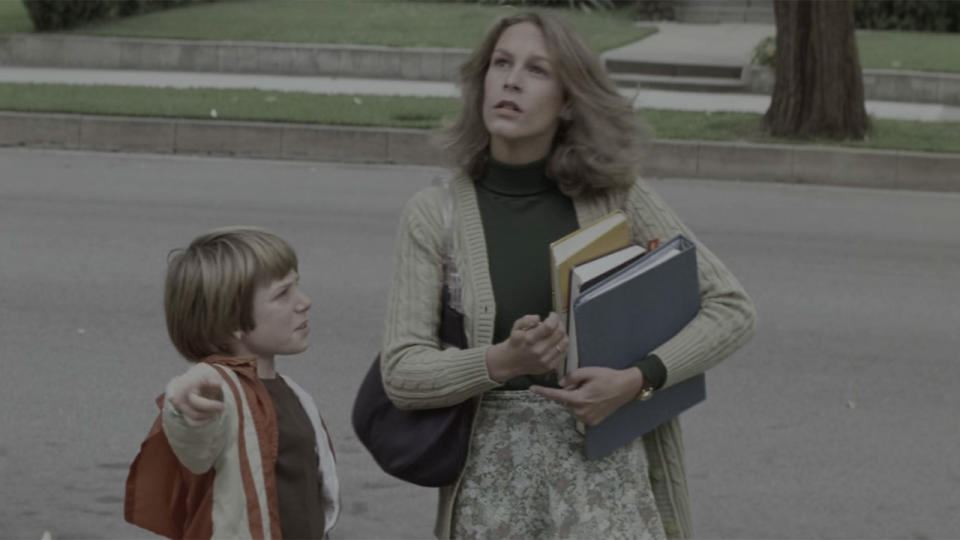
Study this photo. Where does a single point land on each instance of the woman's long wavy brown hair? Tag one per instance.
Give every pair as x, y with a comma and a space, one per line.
595, 149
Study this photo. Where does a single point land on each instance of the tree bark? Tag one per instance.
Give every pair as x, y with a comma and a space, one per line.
818, 91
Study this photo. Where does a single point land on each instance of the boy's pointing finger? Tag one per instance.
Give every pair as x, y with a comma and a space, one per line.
211, 390
204, 405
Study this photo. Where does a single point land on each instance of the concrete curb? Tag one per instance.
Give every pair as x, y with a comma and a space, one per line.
208, 137
364, 61
665, 158
822, 165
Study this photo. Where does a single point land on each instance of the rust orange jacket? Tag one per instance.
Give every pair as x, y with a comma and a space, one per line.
217, 480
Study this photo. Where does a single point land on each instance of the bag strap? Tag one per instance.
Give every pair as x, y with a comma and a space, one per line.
451, 276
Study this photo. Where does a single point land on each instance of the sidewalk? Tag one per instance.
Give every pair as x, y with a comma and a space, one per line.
690, 57
642, 98
722, 44
366, 70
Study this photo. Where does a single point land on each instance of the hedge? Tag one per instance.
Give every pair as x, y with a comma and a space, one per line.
64, 14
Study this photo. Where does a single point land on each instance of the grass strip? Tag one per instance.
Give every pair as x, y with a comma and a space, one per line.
394, 23
917, 51
228, 104
420, 113
886, 134
13, 17
912, 51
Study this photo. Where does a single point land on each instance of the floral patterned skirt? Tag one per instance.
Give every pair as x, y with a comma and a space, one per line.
527, 477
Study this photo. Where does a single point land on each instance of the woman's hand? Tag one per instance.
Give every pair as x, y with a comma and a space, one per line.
534, 347
196, 396
593, 393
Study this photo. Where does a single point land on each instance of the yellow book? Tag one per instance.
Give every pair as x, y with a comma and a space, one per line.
605, 235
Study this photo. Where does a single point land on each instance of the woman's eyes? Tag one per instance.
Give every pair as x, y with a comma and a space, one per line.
535, 69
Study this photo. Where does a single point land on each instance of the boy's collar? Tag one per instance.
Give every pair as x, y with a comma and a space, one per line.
234, 362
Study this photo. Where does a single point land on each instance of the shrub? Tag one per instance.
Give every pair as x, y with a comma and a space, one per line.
918, 15
654, 10
765, 53
585, 5
57, 14
64, 14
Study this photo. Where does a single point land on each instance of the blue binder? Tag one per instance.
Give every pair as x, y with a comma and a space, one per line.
621, 318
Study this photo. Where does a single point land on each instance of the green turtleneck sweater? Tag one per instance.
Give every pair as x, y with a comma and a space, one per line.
523, 211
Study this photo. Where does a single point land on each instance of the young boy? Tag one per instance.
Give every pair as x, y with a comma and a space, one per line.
239, 450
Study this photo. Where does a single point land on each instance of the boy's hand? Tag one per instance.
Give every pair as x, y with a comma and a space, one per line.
197, 396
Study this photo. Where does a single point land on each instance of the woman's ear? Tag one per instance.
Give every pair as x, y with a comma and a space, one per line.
566, 113
238, 335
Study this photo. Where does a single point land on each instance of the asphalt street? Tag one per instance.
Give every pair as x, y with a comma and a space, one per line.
839, 419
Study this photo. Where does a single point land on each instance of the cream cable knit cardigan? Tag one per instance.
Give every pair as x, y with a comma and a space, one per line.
417, 374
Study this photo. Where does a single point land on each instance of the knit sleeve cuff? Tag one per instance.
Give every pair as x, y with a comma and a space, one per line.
654, 372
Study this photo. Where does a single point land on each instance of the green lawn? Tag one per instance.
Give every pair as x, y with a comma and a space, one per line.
914, 51
731, 126
372, 22
229, 104
13, 17
919, 51
413, 112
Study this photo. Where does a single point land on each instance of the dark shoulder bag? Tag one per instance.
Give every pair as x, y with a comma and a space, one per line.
427, 447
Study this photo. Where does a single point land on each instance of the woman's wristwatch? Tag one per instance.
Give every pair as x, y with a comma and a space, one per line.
646, 391
653, 375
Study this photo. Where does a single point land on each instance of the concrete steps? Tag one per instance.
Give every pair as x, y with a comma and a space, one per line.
684, 84
676, 76
673, 69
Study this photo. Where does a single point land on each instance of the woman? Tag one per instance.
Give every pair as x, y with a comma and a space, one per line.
543, 144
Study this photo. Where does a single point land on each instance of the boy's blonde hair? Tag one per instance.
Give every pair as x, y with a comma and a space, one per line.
209, 288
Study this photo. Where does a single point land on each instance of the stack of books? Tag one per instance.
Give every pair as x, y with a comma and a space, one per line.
620, 302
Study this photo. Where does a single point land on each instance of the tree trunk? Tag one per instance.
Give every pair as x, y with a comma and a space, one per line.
819, 84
